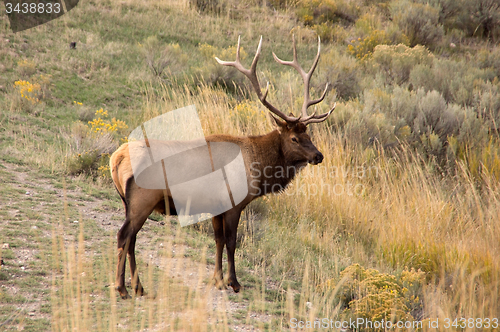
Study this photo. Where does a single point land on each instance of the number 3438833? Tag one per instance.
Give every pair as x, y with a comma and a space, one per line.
33, 8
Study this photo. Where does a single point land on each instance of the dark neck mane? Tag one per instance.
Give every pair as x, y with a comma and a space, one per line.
270, 171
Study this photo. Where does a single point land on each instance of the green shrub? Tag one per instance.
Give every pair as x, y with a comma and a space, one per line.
453, 79
481, 18
26, 68
448, 10
395, 62
85, 162
431, 115
312, 12
213, 74
487, 104
419, 22
282, 4
325, 30
367, 23
207, 6
489, 59
478, 18
404, 103
342, 72
163, 60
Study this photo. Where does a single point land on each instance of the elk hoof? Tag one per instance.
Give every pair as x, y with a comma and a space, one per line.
123, 293
139, 290
236, 286
219, 283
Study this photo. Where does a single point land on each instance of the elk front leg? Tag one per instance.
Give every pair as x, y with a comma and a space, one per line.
220, 241
231, 220
136, 283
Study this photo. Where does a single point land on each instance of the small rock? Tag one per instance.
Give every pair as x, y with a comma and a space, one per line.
5, 246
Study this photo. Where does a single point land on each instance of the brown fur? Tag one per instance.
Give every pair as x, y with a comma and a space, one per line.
288, 148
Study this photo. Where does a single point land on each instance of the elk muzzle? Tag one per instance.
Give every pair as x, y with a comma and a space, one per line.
317, 159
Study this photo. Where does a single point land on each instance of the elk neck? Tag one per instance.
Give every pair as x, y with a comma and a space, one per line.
269, 168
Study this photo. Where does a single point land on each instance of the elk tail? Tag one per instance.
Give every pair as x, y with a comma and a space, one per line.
114, 164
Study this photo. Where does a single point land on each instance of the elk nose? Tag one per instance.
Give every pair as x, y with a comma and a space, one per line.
318, 158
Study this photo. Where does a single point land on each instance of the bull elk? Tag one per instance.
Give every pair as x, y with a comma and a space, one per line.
265, 158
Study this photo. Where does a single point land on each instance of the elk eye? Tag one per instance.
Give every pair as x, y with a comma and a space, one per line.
294, 139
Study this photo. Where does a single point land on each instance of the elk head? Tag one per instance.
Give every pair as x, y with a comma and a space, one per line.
295, 142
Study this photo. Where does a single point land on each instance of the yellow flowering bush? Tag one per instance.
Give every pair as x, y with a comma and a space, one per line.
97, 139
247, 112
100, 125
103, 170
369, 294
29, 91
363, 48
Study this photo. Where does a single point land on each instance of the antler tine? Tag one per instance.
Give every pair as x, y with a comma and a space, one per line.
251, 74
306, 77
316, 101
319, 118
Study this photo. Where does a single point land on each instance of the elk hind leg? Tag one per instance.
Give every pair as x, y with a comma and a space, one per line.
136, 283
136, 215
220, 241
123, 246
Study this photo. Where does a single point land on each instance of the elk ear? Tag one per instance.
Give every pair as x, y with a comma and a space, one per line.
280, 125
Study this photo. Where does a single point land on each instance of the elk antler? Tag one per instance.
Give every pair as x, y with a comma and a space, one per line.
252, 76
306, 77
